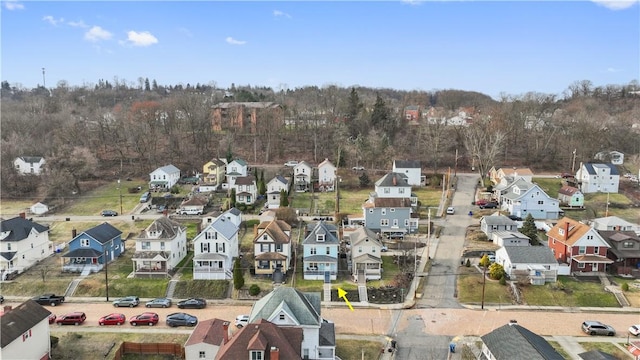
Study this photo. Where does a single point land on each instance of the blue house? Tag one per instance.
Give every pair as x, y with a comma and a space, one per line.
320, 252
89, 251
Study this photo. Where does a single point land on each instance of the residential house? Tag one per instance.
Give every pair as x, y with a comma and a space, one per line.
33, 165
412, 113
393, 185
510, 238
411, 169
234, 215
25, 332
214, 172
522, 198
326, 175
206, 339
246, 190
320, 252
263, 340
236, 169
39, 209
494, 223
23, 243
214, 250
614, 157
366, 252
193, 205
389, 216
160, 248
571, 196
164, 178
535, 263
237, 116
497, 175
93, 248
274, 187
578, 245
598, 178
513, 341
302, 176
624, 251
614, 223
289, 308
272, 248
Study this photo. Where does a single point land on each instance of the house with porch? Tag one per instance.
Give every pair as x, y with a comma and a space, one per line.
366, 254
493, 223
25, 332
326, 175
522, 198
578, 245
214, 250
497, 175
214, 172
23, 243
513, 341
302, 176
32, 165
164, 178
272, 248
289, 308
92, 249
160, 248
263, 340
535, 263
411, 169
594, 177
571, 196
246, 189
624, 251
320, 252
193, 205
235, 169
391, 217
274, 187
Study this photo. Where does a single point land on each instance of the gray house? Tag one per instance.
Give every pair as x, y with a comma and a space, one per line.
513, 341
389, 216
510, 238
493, 223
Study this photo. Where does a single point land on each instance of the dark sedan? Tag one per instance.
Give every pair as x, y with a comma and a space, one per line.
109, 213
192, 303
181, 319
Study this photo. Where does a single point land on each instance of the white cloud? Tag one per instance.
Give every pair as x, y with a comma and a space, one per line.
613, 70
233, 41
97, 33
53, 21
79, 24
278, 13
13, 5
616, 4
143, 38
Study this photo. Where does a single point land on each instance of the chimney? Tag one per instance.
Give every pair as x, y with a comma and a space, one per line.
225, 332
7, 308
23, 215
275, 353
74, 233
566, 231
395, 181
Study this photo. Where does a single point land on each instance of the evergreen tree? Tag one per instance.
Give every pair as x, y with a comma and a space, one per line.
529, 229
154, 85
364, 180
284, 199
262, 186
238, 275
232, 198
380, 114
147, 87
229, 154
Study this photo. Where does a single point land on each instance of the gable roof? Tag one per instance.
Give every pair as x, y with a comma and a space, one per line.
575, 233
568, 190
103, 232
613, 221
511, 341
517, 171
169, 169
379, 202
31, 159
195, 201
320, 228
210, 331
245, 180
407, 164
303, 163
279, 178
393, 179
224, 226
303, 307
361, 234
530, 255
19, 228
498, 220
240, 162
275, 229
592, 168
234, 211
167, 228
325, 162
263, 335
217, 162
20, 319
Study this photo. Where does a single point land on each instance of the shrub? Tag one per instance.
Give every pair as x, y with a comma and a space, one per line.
468, 263
625, 287
254, 290
238, 275
503, 281
484, 262
496, 271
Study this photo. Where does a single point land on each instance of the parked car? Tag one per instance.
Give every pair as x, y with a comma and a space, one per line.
159, 303
358, 168
451, 210
489, 205
181, 319
192, 303
74, 318
597, 328
635, 330
49, 299
515, 218
146, 318
112, 319
109, 213
384, 248
52, 318
130, 301
1, 299
480, 202
242, 320
291, 163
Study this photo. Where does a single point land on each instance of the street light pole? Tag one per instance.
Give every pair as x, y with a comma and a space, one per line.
484, 281
106, 272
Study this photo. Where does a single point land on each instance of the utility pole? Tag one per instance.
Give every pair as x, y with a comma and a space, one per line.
337, 198
106, 272
573, 162
484, 281
120, 186
44, 84
455, 169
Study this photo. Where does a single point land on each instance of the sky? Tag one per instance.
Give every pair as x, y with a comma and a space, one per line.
493, 47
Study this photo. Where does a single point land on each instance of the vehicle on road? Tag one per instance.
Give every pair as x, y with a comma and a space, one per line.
384, 248
189, 211
597, 328
145, 197
291, 163
242, 320
1, 299
192, 303
451, 210
480, 202
358, 168
112, 319
158, 303
74, 318
48, 299
489, 205
146, 318
635, 330
109, 213
130, 301
52, 318
181, 319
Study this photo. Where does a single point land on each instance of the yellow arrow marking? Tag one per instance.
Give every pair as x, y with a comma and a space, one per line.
343, 294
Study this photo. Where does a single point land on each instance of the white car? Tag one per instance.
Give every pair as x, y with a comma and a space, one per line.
451, 210
358, 168
242, 320
291, 163
635, 330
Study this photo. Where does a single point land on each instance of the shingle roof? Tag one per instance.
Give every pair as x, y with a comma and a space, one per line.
103, 232
169, 169
224, 226
263, 335
281, 179
391, 202
210, 331
393, 179
498, 220
361, 234
407, 164
167, 228
19, 228
19, 320
234, 211
31, 159
321, 228
568, 190
245, 180
241, 162
327, 334
512, 341
303, 307
83, 253
576, 230
195, 201
592, 168
276, 231
530, 255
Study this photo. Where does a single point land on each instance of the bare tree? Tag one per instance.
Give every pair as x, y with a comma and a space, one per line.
483, 145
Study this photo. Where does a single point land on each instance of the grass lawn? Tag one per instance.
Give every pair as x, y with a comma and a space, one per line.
357, 349
633, 295
569, 292
607, 347
106, 197
14, 207
470, 289
550, 185
207, 289
559, 349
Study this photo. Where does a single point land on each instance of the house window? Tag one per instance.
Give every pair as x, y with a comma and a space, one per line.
392, 210
328, 251
320, 237
582, 250
384, 222
281, 317
406, 222
589, 237
204, 247
279, 247
370, 211
596, 250
627, 244
395, 222
313, 250
146, 245
400, 190
540, 202
161, 245
580, 265
387, 190
359, 248
220, 248
383, 212
202, 355
9, 246
264, 247
84, 242
256, 355
210, 235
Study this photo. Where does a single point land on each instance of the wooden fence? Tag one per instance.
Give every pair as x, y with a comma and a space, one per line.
126, 347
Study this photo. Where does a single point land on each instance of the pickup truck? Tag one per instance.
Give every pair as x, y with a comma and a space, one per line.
49, 299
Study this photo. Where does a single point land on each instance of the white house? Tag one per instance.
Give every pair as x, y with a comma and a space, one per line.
160, 248
395, 185
206, 339
274, 187
614, 157
510, 238
39, 208
235, 169
366, 252
614, 223
23, 243
522, 198
29, 164
246, 189
302, 175
536, 263
164, 178
598, 178
25, 332
411, 169
326, 175
214, 250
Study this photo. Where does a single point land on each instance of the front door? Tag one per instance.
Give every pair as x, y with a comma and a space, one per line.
327, 277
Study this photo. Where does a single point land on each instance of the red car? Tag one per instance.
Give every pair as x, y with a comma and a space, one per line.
147, 318
112, 319
52, 318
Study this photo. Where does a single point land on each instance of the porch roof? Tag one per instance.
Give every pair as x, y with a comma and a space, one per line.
210, 256
320, 258
146, 255
85, 253
367, 258
9, 255
271, 256
592, 259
